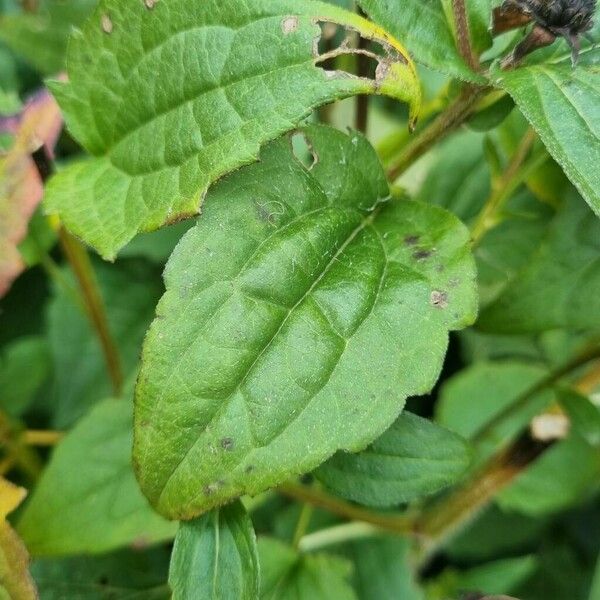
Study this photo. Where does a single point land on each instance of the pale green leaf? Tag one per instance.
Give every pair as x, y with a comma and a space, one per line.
424, 29
561, 103
558, 287
169, 96
215, 557
300, 313
583, 414
87, 499
412, 459
287, 574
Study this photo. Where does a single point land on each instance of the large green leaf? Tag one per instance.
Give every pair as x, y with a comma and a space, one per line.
170, 96
215, 557
561, 103
287, 574
421, 25
412, 459
559, 286
87, 499
300, 313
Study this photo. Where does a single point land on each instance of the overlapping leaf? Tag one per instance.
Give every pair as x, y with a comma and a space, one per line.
299, 314
99, 506
170, 96
561, 103
215, 557
412, 459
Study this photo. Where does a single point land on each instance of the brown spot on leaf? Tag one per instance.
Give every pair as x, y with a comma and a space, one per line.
411, 240
422, 254
289, 25
439, 299
106, 23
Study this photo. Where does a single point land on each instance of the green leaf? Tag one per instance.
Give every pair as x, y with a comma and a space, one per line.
215, 557
129, 292
495, 577
383, 569
561, 103
122, 575
41, 36
300, 313
170, 96
562, 477
558, 287
287, 574
474, 396
24, 367
424, 29
584, 415
412, 459
87, 499
480, 22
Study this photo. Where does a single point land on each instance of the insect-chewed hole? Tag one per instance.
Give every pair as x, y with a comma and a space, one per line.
338, 44
304, 151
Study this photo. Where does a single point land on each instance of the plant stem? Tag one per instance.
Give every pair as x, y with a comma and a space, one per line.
303, 522
35, 437
445, 123
505, 415
504, 186
463, 35
362, 100
338, 534
397, 524
80, 262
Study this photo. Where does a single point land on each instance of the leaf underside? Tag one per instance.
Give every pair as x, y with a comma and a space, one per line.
299, 314
147, 81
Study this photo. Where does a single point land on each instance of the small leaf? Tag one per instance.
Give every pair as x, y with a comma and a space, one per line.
558, 286
299, 314
185, 93
20, 185
423, 27
561, 103
287, 574
15, 581
215, 557
583, 415
87, 499
412, 459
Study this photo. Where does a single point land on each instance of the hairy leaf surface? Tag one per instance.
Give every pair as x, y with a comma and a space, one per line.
561, 103
299, 314
412, 459
215, 557
170, 96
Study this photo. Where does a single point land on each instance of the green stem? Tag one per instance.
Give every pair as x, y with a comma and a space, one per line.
446, 122
338, 534
80, 262
396, 523
503, 187
303, 522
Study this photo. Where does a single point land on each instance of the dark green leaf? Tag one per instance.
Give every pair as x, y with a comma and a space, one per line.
412, 459
215, 557
87, 499
287, 574
24, 367
583, 415
561, 103
558, 286
184, 93
300, 313
129, 291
